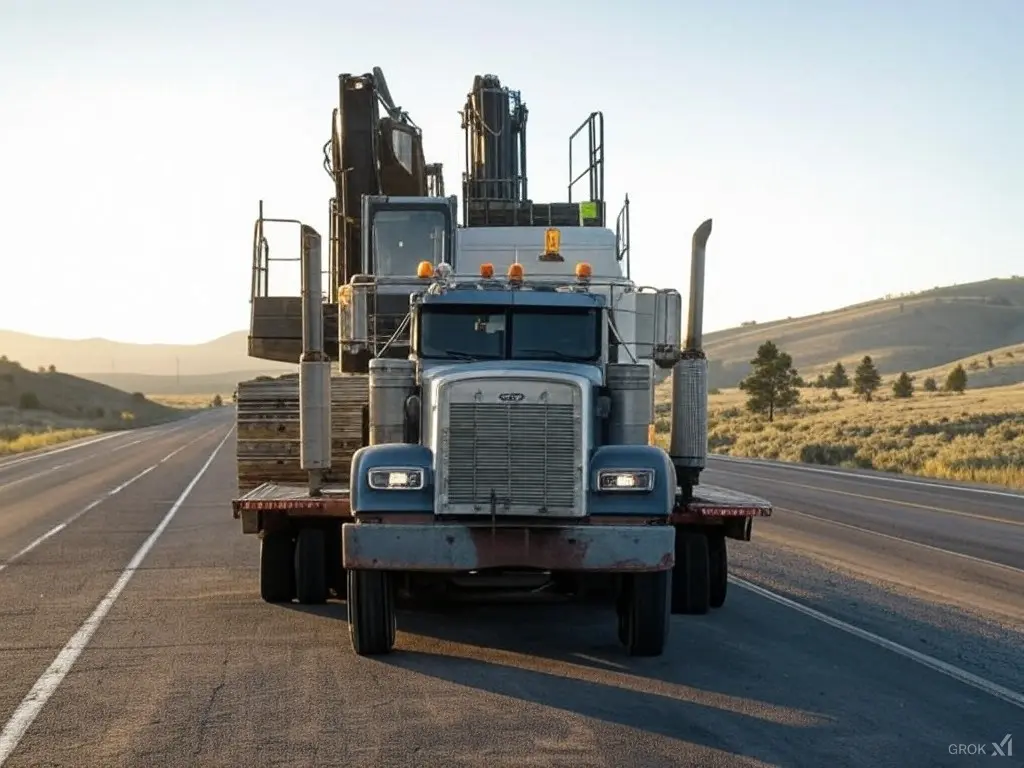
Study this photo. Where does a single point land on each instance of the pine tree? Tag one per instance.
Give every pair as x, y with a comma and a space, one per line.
903, 386
956, 381
837, 377
930, 385
866, 379
772, 384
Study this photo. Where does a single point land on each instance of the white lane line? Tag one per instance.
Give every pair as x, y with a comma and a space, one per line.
65, 465
47, 684
858, 476
44, 453
888, 500
901, 540
942, 667
96, 502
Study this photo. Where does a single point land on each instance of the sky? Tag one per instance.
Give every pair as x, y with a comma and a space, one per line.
845, 150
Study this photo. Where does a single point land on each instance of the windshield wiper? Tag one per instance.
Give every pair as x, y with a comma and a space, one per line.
467, 356
552, 354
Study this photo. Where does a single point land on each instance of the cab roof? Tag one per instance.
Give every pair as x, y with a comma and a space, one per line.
526, 297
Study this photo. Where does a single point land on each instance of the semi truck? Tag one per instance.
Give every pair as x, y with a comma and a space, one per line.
474, 407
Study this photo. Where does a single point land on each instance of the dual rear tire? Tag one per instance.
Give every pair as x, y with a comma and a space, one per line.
294, 567
700, 578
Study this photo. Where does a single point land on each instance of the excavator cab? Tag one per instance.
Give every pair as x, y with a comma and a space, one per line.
398, 235
401, 232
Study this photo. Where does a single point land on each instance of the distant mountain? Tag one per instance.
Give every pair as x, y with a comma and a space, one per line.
228, 353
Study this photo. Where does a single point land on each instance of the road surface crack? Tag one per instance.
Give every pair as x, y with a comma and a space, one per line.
205, 716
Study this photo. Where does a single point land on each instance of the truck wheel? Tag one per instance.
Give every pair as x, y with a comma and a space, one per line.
691, 576
718, 562
277, 576
371, 612
648, 613
310, 567
622, 598
335, 572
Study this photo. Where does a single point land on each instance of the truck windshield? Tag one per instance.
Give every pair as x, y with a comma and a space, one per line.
460, 333
403, 238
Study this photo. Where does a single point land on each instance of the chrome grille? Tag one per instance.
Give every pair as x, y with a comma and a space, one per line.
525, 457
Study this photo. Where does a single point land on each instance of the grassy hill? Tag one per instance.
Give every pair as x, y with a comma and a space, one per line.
923, 331
994, 368
228, 353
44, 407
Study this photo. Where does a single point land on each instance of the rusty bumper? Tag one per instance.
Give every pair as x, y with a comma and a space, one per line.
453, 548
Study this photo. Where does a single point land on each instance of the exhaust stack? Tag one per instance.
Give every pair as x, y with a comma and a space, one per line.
688, 441
695, 317
314, 369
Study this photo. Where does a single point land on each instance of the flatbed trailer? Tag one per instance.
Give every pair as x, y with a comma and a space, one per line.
701, 526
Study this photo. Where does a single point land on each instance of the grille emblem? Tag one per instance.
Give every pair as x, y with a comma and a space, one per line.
511, 397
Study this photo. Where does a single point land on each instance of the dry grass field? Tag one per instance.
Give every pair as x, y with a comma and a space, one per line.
34, 441
975, 436
191, 402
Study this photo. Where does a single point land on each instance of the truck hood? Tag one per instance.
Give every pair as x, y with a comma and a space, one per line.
433, 370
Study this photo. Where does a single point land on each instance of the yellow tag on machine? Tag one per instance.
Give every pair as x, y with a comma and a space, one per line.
552, 245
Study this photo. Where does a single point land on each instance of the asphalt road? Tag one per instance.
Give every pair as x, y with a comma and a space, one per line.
132, 634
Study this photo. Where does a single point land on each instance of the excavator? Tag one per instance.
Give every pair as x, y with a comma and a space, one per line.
375, 160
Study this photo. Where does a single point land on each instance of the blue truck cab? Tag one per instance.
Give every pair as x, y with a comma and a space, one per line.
507, 440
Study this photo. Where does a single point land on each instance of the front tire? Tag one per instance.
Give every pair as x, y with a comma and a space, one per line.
371, 612
647, 613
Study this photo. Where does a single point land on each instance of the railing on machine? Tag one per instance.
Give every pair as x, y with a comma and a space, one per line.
435, 180
622, 235
593, 127
374, 320
261, 258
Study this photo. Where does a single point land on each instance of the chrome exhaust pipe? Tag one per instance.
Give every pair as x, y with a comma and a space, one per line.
314, 369
688, 439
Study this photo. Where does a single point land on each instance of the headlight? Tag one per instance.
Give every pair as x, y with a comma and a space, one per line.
625, 480
396, 479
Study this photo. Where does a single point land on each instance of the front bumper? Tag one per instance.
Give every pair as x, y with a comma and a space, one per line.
447, 547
